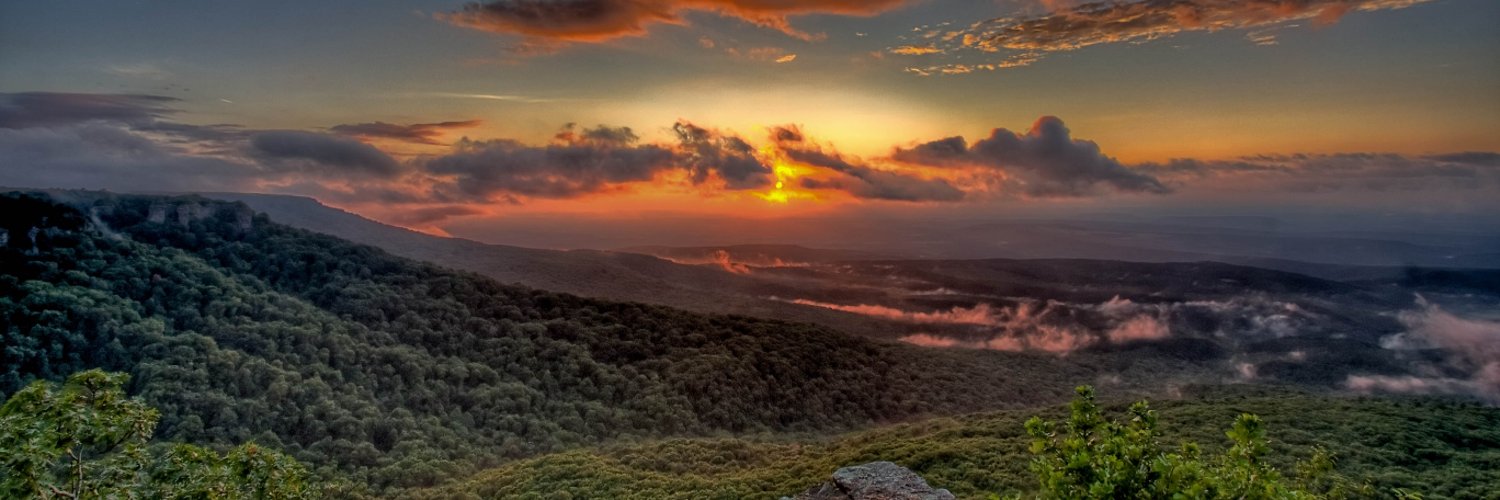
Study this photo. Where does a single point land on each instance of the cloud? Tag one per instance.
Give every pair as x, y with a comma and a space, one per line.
124, 142
1409, 384
128, 141
871, 184
144, 71
768, 54
1014, 61
858, 179
593, 160
1325, 173
1478, 158
916, 50
577, 163
96, 155
44, 109
1139, 328
1030, 325
428, 215
1044, 162
1070, 26
601, 20
1473, 347
487, 97
322, 153
706, 152
981, 314
418, 133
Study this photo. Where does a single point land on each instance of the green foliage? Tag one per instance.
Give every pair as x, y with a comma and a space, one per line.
1092, 456
1386, 443
83, 440
86, 439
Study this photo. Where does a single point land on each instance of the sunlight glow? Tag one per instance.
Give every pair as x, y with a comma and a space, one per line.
786, 173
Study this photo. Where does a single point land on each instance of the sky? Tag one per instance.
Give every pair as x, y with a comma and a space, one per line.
483, 118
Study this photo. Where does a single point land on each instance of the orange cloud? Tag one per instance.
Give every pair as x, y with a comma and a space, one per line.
1072, 25
916, 50
772, 54
600, 20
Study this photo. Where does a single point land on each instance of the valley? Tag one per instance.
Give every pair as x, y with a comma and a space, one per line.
398, 374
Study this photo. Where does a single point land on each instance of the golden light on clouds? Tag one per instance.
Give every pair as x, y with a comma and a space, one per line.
860, 122
788, 174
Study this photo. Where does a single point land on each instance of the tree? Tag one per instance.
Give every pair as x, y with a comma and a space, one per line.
1094, 457
87, 439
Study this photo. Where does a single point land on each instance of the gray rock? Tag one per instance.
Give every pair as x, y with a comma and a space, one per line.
875, 481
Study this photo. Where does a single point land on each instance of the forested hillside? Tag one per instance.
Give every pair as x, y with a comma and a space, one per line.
1437, 449
397, 373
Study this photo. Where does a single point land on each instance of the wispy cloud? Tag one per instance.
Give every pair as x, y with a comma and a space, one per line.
916, 50
144, 71
418, 133
1071, 26
488, 97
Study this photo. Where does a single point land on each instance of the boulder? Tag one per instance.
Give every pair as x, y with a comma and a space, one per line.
874, 481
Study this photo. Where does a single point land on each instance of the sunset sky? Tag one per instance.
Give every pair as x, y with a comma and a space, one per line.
462, 118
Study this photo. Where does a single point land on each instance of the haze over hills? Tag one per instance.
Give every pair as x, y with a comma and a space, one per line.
765, 255
590, 273
1254, 323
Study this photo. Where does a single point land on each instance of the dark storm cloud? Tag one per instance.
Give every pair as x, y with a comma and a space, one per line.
599, 20
322, 153
44, 109
419, 133
1046, 161
858, 179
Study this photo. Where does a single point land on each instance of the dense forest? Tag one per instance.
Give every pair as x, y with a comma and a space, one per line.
396, 373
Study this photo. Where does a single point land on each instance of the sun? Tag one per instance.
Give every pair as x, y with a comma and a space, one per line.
786, 172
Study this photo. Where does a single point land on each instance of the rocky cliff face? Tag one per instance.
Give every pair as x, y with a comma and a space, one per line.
188, 211
874, 481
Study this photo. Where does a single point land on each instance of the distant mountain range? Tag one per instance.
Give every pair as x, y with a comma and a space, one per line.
1262, 318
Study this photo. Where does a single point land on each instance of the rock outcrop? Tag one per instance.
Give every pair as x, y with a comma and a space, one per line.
874, 481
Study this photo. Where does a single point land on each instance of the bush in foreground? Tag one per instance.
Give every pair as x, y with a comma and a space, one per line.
86, 439
1091, 456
